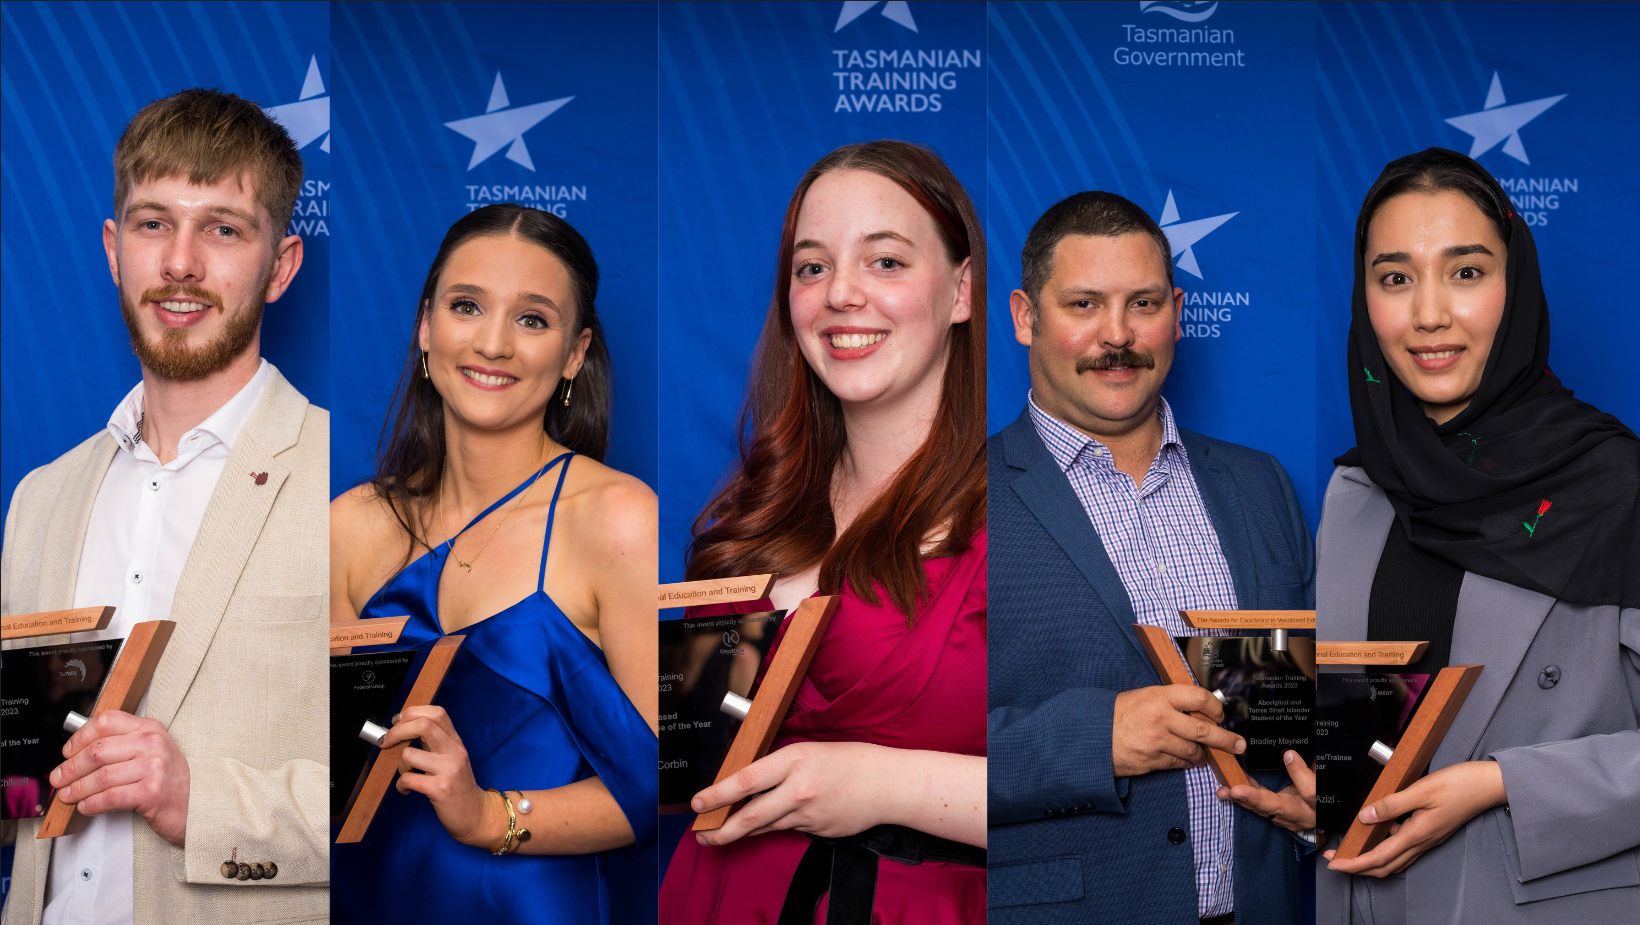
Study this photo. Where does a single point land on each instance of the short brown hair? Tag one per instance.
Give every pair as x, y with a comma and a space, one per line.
1095, 213
207, 135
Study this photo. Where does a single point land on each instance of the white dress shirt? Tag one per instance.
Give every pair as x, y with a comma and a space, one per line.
142, 529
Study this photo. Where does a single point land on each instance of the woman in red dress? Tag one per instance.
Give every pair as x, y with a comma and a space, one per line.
863, 476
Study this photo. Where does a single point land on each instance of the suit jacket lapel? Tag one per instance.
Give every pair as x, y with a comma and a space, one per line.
233, 522
1046, 492
1496, 625
1357, 520
1223, 503
65, 533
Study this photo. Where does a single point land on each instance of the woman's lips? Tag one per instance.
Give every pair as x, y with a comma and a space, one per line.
487, 379
1436, 358
852, 344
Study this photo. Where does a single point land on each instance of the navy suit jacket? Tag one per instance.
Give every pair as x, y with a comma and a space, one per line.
1068, 841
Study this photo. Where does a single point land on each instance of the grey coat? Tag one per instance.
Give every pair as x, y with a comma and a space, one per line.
1567, 846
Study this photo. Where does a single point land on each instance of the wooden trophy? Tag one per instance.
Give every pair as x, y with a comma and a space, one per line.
1158, 643
716, 591
1410, 757
52, 622
804, 629
127, 683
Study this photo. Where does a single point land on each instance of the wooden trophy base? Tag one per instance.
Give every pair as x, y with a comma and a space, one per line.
127, 682
1165, 656
774, 697
1417, 746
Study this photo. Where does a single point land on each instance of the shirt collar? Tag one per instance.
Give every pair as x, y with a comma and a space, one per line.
223, 426
1067, 444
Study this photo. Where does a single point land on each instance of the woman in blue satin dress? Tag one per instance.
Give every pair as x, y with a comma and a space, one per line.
491, 517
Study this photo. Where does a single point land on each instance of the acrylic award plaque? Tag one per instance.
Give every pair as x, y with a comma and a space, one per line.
365, 691
1376, 735
42, 686
39, 687
767, 709
707, 666
1268, 695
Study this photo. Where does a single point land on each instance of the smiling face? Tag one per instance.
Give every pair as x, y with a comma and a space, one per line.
873, 292
497, 333
194, 266
1435, 294
1101, 332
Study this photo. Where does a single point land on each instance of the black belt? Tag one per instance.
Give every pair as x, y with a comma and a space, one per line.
847, 869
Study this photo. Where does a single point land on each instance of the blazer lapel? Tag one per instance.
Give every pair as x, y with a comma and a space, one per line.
238, 509
1045, 491
1496, 625
64, 538
1213, 481
1357, 519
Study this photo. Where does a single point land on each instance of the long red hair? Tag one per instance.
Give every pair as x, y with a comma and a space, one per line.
774, 513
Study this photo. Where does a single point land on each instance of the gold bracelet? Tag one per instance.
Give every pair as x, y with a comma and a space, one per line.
512, 824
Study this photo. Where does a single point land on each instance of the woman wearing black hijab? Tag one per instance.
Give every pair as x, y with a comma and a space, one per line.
1488, 511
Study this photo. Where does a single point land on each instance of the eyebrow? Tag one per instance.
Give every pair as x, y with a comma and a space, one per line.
472, 289
149, 205
874, 236
1077, 294
1456, 250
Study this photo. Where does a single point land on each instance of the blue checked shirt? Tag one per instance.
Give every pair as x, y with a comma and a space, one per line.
1167, 554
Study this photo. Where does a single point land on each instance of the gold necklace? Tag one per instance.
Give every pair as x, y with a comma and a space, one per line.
468, 565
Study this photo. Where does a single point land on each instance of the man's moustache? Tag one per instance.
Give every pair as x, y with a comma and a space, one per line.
164, 293
1111, 359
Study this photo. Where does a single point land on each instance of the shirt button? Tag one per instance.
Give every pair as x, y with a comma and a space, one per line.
85, 873
136, 577
153, 484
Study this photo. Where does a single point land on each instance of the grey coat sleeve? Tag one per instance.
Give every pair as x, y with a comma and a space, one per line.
1575, 802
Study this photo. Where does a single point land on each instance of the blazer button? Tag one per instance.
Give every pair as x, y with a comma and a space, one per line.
1175, 835
270, 870
1549, 677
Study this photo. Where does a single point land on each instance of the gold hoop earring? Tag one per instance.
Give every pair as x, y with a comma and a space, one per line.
424, 373
568, 390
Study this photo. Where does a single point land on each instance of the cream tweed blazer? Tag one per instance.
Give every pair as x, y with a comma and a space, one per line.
243, 686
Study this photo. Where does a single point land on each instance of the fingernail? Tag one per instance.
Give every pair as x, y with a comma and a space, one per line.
396, 716
1241, 746
57, 777
1369, 815
698, 805
1290, 757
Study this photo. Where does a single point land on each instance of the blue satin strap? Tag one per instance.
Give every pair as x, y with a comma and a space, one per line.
541, 580
514, 493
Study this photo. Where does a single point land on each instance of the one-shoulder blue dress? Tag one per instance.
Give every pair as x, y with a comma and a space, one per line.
536, 708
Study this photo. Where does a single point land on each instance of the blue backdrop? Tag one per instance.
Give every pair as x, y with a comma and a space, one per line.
571, 131
1542, 94
1203, 115
570, 92
73, 75
752, 95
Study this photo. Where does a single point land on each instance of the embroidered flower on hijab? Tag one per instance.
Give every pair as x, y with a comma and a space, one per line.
1543, 508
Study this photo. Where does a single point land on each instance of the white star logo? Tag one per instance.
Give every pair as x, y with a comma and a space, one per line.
1184, 235
309, 117
500, 125
896, 10
1495, 122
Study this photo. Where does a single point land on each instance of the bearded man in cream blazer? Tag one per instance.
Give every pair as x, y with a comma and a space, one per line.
204, 502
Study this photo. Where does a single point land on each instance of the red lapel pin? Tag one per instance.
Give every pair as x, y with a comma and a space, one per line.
261, 477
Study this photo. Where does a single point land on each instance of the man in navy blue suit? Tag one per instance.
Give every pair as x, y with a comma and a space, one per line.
1104, 513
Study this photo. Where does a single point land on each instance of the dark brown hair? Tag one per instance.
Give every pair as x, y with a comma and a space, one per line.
1435, 170
1096, 213
774, 513
207, 135
412, 462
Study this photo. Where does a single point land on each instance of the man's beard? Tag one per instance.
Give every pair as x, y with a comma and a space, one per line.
169, 357
1111, 359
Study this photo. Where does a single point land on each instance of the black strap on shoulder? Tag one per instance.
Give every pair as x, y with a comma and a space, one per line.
847, 869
